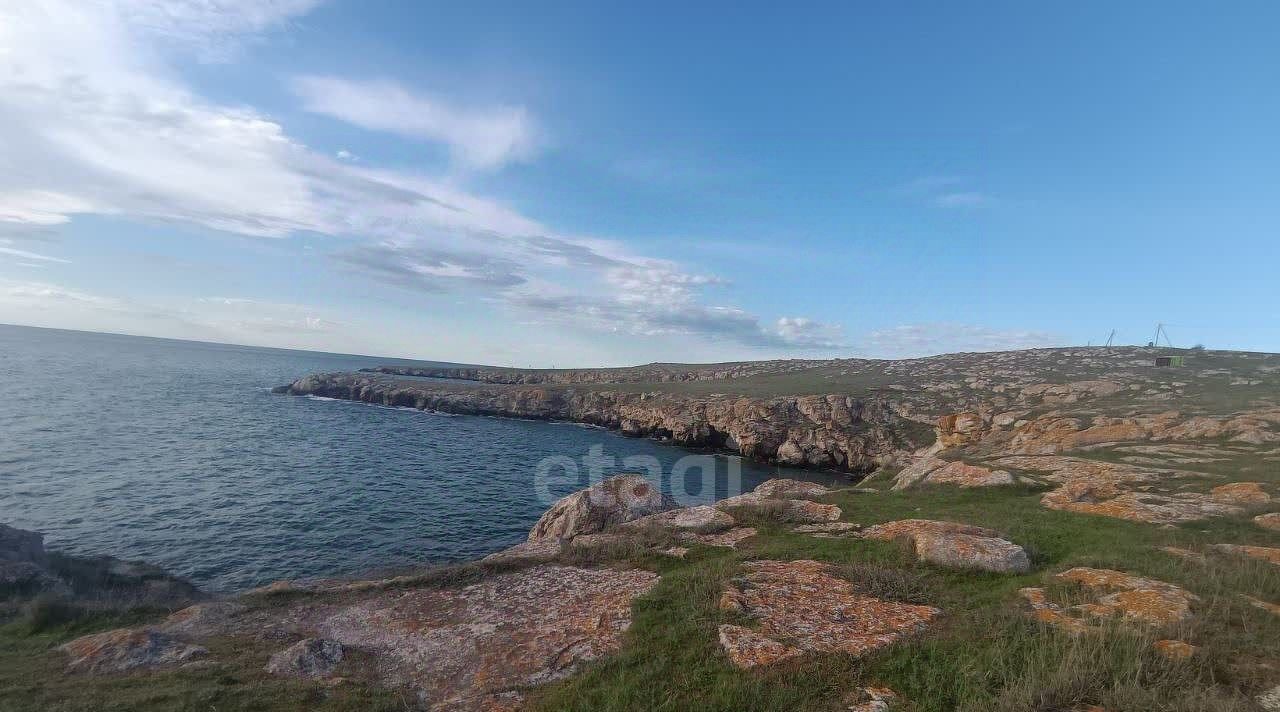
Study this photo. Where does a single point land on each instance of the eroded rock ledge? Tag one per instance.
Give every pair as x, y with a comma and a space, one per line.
821, 431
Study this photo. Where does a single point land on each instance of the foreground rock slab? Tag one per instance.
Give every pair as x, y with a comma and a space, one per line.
458, 647
955, 545
128, 649
801, 606
310, 657
1134, 599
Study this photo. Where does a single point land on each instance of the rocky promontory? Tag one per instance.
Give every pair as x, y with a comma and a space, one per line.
822, 431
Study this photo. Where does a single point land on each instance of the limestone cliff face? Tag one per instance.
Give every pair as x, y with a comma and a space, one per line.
826, 431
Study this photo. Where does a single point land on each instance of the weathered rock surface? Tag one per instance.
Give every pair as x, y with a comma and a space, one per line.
936, 471
1131, 598
780, 488
704, 518
606, 504
1265, 553
1175, 649
310, 657
539, 551
507, 632
1124, 491
127, 649
729, 539
1270, 521
806, 605
872, 699
955, 545
829, 530
826, 431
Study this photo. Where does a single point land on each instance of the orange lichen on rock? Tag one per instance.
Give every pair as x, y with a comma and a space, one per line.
936, 471
127, 649
955, 545
805, 604
1132, 598
1175, 649
747, 648
729, 539
1113, 490
508, 631
1244, 493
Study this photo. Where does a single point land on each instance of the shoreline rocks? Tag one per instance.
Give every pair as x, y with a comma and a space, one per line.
831, 431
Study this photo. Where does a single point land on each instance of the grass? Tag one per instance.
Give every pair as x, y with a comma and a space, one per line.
984, 654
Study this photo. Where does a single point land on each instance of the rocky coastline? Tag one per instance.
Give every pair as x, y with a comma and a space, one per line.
834, 432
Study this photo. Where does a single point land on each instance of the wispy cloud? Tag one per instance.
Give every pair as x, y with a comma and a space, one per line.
479, 138
96, 122
968, 199
912, 340
27, 255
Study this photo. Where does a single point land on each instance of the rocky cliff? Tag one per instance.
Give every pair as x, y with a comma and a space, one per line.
823, 431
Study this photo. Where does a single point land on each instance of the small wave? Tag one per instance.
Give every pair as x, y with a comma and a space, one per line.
410, 409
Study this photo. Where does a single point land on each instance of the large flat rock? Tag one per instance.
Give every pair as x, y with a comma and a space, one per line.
801, 606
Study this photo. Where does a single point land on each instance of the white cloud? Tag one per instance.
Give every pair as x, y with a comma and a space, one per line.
962, 200
478, 138
27, 255
94, 121
912, 340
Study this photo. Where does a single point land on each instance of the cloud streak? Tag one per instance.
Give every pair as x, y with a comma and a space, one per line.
478, 138
95, 122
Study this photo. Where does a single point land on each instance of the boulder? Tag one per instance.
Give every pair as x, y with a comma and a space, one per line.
606, 504
310, 657
780, 488
127, 649
955, 545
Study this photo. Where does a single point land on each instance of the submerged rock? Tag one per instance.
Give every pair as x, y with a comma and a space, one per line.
804, 604
127, 649
606, 504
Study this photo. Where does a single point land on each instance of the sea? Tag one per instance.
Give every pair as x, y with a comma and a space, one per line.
177, 453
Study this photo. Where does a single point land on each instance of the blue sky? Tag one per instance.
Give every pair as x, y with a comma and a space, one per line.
579, 183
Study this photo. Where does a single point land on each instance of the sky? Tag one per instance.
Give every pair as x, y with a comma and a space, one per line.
576, 184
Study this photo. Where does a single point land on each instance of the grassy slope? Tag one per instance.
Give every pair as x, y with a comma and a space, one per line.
985, 654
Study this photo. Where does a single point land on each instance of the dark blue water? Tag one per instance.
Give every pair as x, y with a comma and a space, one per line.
176, 453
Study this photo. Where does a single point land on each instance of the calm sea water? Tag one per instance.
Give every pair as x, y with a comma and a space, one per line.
176, 453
